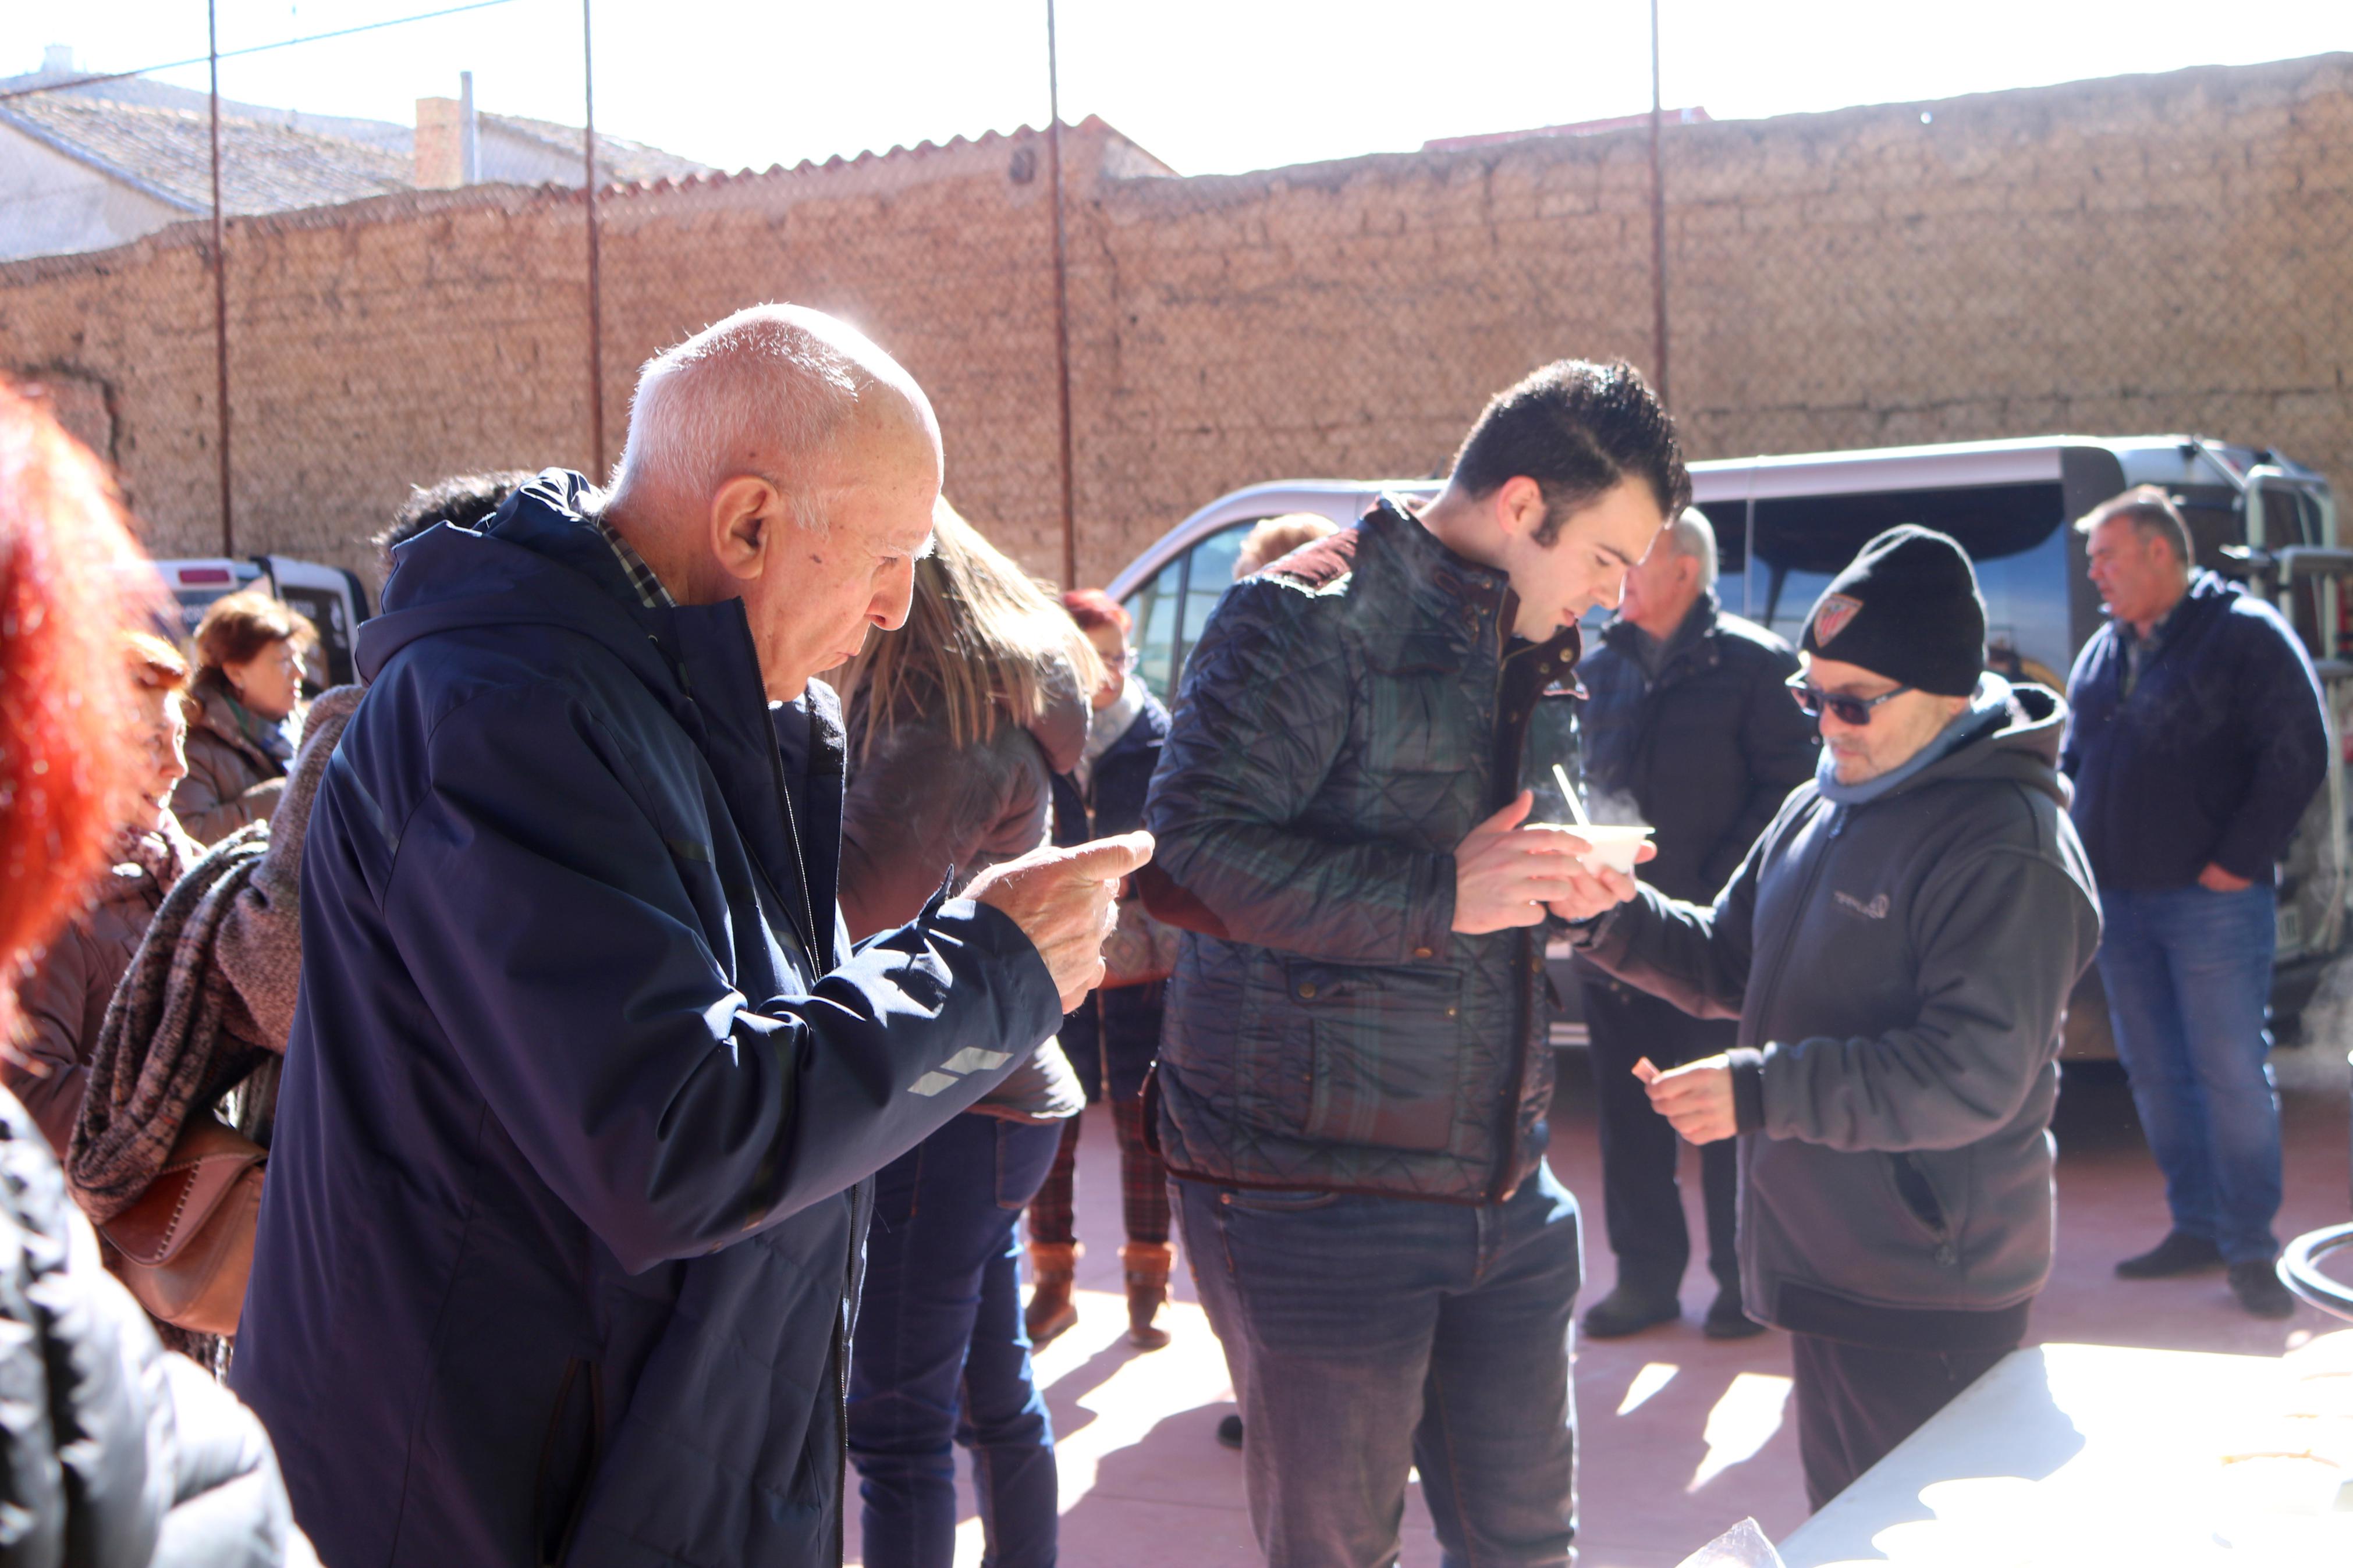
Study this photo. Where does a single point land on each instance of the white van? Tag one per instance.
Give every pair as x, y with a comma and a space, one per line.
1785, 525
334, 599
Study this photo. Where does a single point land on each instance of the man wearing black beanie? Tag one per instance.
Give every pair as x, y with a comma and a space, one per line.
1898, 948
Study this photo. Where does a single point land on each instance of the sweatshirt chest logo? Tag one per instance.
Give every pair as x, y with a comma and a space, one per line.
1831, 618
1875, 909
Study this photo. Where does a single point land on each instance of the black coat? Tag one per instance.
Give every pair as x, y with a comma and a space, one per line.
1346, 718
2213, 757
1707, 751
558, 1253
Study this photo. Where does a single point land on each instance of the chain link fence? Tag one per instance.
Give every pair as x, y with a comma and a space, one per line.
380, 305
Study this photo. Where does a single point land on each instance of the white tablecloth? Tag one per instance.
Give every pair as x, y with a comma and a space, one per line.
2080, 1456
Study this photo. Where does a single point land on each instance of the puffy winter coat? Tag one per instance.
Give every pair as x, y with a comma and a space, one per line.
236, 766
1348, 716
115, 1452
559, 1249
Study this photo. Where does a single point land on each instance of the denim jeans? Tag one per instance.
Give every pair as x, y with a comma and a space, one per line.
941, 1357
1371, 1334
2188, 975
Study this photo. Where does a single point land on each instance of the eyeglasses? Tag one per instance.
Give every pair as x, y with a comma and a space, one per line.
1133, 661
1813, 701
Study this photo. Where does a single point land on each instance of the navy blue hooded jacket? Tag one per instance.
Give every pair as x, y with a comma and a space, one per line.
2213, 757
565, 1204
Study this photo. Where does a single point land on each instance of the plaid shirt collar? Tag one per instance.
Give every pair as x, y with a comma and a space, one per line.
648, 587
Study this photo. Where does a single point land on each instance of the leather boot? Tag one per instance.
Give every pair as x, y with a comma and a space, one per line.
1050, 1312
1148, 1264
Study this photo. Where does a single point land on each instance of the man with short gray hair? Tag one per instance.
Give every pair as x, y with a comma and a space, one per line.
2196, 742
1687, 721
561, 1241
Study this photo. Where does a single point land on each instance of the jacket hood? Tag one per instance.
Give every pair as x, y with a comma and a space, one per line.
2023, 747
537, 562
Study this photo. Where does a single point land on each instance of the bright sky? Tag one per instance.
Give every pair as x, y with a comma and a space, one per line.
1210, 86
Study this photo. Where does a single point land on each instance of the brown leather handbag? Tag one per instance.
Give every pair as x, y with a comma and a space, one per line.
186, 1247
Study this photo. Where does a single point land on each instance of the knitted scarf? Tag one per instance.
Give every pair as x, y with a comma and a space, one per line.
209, 995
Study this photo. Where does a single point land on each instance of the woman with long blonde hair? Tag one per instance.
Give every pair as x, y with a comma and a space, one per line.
957, 723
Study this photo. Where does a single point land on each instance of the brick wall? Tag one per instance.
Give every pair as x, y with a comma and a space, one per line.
2139, 254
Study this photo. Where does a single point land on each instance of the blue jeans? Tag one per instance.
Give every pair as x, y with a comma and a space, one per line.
1369, 1334
2189, 974
941, 1357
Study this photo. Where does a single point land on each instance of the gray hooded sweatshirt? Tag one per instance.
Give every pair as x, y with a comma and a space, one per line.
1900, 967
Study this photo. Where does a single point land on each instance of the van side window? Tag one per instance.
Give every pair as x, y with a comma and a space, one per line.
1154, 635
1173, 607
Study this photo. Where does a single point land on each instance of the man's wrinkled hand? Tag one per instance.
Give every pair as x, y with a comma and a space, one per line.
2215, 880
1062, 900
1505, 873
1696, 1099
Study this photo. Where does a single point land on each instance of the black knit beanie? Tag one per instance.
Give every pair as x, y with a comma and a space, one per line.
1907, 608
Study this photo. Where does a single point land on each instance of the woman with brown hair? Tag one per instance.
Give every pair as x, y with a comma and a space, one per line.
249, 680
65, 995
957, 722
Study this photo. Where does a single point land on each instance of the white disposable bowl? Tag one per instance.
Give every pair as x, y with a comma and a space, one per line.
1614, 844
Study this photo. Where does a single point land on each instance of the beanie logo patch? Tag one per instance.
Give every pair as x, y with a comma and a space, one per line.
1832, 617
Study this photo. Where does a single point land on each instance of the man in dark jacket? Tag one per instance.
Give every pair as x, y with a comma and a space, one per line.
560, 1239
1688, 723
1898, 948
2197, 743
1354, 1082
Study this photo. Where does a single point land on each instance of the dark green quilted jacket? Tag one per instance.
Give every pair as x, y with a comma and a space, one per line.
1347, 717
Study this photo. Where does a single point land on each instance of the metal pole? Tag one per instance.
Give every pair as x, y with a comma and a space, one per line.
1658, 224
220, 291
596, 274
1061, 302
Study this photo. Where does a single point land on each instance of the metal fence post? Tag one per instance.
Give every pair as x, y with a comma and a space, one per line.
596, 276
1658, 226
221, 290
1061, 302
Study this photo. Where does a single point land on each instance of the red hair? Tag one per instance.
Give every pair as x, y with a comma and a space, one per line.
1093, 609
70, 585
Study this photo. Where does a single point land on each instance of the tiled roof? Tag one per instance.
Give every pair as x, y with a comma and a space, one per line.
168, 153
619, 162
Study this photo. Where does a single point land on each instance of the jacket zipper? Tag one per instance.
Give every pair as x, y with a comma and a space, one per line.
1531, 955
842, 1370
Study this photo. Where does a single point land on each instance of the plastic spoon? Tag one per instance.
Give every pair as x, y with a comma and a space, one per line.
1560, 777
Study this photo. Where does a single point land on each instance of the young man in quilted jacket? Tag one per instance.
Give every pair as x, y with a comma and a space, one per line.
1354, 1079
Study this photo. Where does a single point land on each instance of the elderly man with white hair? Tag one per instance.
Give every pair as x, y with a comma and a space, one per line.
562, 1235
1688, 724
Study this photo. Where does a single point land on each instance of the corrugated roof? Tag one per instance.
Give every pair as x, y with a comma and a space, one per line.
167, 152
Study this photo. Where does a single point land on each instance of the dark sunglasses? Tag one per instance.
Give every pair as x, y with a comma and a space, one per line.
1813, 699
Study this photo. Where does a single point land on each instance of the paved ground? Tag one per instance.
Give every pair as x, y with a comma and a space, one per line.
1682, 1436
